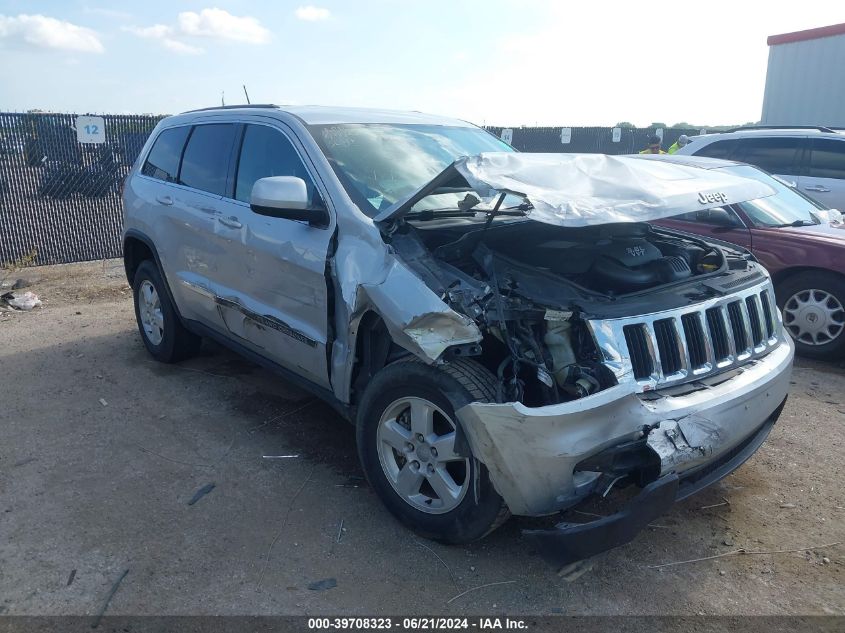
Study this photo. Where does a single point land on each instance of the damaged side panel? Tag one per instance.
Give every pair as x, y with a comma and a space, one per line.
416, 319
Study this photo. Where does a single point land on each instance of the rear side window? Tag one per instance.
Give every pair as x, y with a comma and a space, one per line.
267, 152
719, 149
205, 165
777, 155
827, 159
163, 160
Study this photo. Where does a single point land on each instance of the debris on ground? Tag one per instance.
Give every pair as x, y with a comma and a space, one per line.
279, 456
199, 494
104, 402
102, 612
742, 551
21, 283
573, 571
323, 585
787, 505
71, 577
21, 300
489, 584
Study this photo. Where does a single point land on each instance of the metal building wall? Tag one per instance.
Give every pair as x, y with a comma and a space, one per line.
805, 83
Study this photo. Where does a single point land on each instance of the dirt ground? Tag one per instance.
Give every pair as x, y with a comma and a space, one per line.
101, 449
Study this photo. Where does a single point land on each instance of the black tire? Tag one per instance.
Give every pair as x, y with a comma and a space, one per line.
176, 342
448, 387
833, 285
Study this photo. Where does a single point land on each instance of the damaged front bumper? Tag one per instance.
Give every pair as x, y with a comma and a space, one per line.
539, 458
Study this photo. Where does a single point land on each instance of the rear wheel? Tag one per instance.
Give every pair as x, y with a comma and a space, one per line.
813, 306
415, 455
161, 330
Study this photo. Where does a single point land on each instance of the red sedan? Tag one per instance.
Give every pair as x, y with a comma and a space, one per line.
796, 240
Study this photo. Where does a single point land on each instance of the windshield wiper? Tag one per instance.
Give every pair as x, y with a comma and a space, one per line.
432, 214
795, 223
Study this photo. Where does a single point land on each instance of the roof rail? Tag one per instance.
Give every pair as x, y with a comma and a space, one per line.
820, 128
236, 106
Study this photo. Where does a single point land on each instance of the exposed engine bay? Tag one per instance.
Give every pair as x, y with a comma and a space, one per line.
531, 287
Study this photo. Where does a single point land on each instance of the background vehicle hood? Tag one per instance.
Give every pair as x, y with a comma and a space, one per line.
589, 189
821, 234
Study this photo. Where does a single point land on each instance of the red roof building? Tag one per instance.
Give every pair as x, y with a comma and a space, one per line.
805, 80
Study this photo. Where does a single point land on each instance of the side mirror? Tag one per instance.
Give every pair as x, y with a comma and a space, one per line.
717, 217
286, 197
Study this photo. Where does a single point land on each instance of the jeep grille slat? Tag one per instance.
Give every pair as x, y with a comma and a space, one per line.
667, 346
756, 318
679, 345
738, 327
695, 340
768, 314
718, 334
635, 337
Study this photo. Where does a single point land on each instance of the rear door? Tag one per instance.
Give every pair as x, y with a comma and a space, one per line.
179, 218
778, 155
823, 177
271, 283
201, 183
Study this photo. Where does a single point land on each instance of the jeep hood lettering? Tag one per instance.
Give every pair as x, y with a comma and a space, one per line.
589, 189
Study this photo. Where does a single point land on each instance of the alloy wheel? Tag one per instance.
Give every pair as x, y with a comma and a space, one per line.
416, 448
149, 311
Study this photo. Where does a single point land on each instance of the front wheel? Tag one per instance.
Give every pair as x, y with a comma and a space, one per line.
163, 334
415, 455
813, 306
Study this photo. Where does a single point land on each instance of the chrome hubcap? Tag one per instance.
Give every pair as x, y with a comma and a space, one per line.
813, 316
416, 446
149, 311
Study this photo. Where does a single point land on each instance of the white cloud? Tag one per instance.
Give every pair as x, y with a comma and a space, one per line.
310, 13
40, 31
220, 24
208, 23
180, 47
165, 34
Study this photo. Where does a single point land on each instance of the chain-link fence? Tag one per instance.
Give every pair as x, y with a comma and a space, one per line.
61, 175
59, 197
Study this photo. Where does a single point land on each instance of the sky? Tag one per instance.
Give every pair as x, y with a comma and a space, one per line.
492, 62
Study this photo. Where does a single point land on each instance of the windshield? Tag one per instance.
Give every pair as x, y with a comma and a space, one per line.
787, 207
381, 164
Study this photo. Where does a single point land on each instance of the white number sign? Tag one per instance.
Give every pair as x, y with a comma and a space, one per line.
617, 134
90, 129
507, 135
566, 135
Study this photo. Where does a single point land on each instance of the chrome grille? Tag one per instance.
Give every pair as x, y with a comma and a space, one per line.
677, 345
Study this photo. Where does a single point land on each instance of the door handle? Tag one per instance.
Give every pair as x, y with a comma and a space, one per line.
165, 200
818, 188
231, 222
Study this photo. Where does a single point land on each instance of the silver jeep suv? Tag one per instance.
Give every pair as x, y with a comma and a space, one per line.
505, 330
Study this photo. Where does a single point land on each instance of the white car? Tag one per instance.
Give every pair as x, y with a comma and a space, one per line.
813, 158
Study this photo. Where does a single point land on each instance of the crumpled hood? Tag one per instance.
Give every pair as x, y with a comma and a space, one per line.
589, 189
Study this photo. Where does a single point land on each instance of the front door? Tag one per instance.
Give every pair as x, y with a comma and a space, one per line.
271, 282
